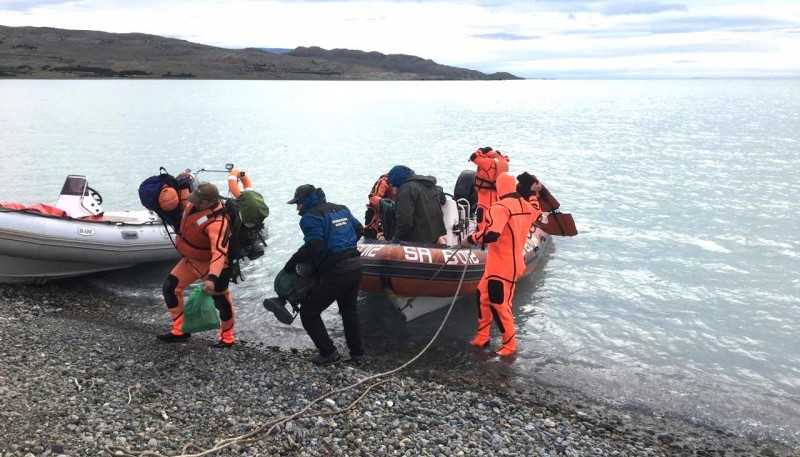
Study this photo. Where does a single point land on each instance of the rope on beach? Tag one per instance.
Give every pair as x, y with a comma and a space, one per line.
266, 429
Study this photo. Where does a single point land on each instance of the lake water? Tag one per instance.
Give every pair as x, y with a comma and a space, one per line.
681, 295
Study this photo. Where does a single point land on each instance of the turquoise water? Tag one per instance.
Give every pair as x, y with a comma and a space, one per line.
681, 295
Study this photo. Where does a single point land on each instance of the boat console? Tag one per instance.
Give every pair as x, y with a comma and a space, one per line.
73, 198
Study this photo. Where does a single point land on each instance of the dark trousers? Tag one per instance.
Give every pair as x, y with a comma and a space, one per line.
342, 288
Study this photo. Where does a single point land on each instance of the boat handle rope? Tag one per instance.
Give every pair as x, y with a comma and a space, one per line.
266, 429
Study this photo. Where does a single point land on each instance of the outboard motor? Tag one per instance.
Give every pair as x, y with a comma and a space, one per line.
464, 189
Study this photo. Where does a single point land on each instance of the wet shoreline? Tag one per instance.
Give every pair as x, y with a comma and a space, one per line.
80, 375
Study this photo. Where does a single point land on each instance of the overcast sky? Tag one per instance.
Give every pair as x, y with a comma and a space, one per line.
529, 38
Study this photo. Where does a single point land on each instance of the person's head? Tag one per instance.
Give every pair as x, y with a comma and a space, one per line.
528, 184
205, 196
306, 196
506, 184
398, 175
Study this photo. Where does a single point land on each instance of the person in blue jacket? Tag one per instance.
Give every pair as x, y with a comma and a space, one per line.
330, 233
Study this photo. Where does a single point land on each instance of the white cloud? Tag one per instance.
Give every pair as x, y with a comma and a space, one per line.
530, 39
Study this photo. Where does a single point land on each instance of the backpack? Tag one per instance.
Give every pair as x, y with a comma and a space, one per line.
163, 187
247, 213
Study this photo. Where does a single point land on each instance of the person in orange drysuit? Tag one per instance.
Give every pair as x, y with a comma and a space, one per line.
373, 219
530, 188
202, 242
508, 223
490, 163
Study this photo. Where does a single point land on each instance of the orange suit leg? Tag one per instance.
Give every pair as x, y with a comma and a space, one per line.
485, 316
184, 273
224, 303
495, 305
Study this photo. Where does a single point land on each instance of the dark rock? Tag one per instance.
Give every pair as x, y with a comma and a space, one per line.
666, 438
606, 425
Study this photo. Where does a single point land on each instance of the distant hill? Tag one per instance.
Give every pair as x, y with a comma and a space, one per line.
43, 52
276, 50
396, 63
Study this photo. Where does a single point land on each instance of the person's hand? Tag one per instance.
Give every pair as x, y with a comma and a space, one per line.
208, 286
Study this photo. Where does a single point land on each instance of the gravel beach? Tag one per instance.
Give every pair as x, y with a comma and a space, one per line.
80, 376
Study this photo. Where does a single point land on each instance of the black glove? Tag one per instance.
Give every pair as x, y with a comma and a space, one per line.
472, 157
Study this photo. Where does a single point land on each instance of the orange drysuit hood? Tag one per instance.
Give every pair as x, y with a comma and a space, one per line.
506, 184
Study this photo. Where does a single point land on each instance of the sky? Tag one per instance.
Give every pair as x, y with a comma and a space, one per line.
568, 39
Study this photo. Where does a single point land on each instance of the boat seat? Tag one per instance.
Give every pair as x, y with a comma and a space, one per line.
128, 217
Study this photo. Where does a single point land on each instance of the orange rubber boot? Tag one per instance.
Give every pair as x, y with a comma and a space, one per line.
480, 341
509, 346
506, 351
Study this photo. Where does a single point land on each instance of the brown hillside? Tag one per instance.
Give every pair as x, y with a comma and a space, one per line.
37, 52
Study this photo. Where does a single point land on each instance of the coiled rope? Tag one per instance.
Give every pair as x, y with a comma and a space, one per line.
266, 429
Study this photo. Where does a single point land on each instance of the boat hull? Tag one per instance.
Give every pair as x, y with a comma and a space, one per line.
36, 247
420, 278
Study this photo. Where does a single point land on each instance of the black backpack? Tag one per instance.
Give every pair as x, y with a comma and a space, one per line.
247, 213
151, 188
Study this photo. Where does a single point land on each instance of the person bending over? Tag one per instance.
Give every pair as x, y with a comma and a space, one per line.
330, 233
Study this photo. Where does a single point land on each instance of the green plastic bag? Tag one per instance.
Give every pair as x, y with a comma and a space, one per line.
199, 313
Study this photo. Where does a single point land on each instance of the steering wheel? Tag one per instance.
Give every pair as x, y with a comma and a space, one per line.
95, 195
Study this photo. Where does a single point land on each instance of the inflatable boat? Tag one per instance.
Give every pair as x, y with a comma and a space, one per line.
75, 237
418, 278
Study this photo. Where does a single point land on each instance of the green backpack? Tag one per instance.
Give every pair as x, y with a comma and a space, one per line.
252, 207
247, 213
292, 287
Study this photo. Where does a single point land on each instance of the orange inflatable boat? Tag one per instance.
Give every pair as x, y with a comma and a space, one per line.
418, 278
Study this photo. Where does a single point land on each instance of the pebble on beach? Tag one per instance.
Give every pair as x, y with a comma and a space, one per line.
79, 376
